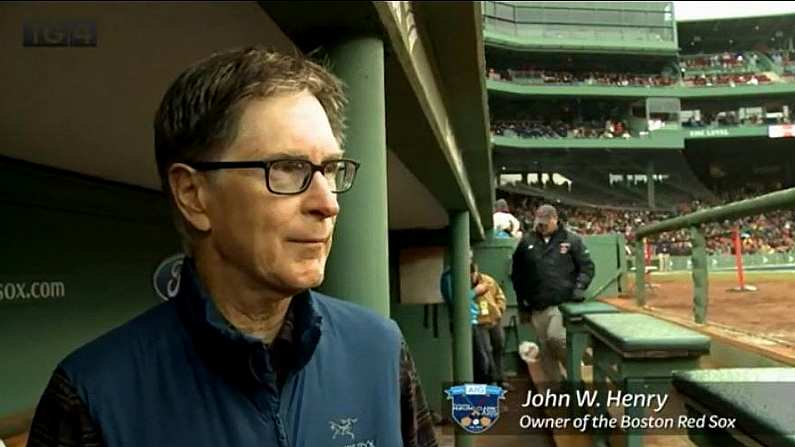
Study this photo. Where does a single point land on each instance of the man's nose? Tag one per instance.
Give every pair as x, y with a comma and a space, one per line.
321, 200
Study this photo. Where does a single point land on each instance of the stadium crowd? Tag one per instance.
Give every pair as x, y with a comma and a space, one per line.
704, 70
730, 118
533, 76
767, 233
626, 80
617, 128
783, 57
610, 128
720, 61
726, 79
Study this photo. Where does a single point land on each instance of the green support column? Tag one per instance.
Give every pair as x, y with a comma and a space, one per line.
621, 243
360, 239
640, 272
462, 326
700, 273
650, 192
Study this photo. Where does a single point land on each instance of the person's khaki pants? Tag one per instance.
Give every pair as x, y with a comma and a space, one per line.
548, 324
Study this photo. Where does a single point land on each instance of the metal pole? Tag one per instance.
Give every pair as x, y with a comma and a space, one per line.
700, 274
462, 323
640, 272
650, 185
622, 262
738, 258
783, 199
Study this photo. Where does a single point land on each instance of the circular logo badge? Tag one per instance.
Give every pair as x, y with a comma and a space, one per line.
166, 277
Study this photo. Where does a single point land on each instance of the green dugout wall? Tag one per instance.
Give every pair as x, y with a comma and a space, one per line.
99, 241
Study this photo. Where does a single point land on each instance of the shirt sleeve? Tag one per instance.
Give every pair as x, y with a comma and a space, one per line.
416, 423
62, 418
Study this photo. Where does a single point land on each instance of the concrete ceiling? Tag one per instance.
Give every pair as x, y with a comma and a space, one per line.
89, 110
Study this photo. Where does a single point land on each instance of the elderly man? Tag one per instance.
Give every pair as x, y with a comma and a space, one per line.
551, 265
248, 147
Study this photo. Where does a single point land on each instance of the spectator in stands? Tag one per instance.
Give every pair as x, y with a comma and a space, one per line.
207, 367
551, 265
493, 75
505, 224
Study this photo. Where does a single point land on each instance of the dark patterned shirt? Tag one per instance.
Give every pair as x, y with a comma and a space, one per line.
62, 418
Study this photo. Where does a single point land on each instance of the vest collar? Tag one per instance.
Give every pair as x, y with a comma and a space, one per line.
229, 350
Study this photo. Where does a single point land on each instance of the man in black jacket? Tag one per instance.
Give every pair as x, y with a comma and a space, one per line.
551, 265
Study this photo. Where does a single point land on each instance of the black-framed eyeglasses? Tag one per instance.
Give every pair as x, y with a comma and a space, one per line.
290, 176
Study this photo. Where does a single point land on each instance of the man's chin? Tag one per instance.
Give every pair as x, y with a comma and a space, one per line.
308, 280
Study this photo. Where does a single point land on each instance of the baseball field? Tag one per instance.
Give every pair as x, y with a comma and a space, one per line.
767, 312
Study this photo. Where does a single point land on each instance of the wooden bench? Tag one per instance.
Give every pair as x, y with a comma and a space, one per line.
577, 337
638, 354
761, 400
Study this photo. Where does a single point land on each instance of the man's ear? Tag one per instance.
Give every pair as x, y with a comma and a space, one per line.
190, 195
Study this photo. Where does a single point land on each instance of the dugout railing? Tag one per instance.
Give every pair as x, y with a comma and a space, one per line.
778, 200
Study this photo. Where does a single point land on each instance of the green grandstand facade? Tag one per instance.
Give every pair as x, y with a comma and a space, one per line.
691, 101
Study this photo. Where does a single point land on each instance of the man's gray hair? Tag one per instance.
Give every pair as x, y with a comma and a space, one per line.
199, 114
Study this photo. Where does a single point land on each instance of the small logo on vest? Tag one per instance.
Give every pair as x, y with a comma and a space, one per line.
345, 428
475, 407
564, 247
166, 277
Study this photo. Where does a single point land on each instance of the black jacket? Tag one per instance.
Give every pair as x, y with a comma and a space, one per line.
546, 275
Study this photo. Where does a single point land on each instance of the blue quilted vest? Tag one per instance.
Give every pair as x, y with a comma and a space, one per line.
180, 375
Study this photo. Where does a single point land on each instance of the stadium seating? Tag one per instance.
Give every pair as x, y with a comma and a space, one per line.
767, 233
700, 70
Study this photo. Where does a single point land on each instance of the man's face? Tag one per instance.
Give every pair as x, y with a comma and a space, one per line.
281, 242
547, 226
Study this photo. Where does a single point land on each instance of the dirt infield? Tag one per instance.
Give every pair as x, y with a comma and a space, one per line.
768, 312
